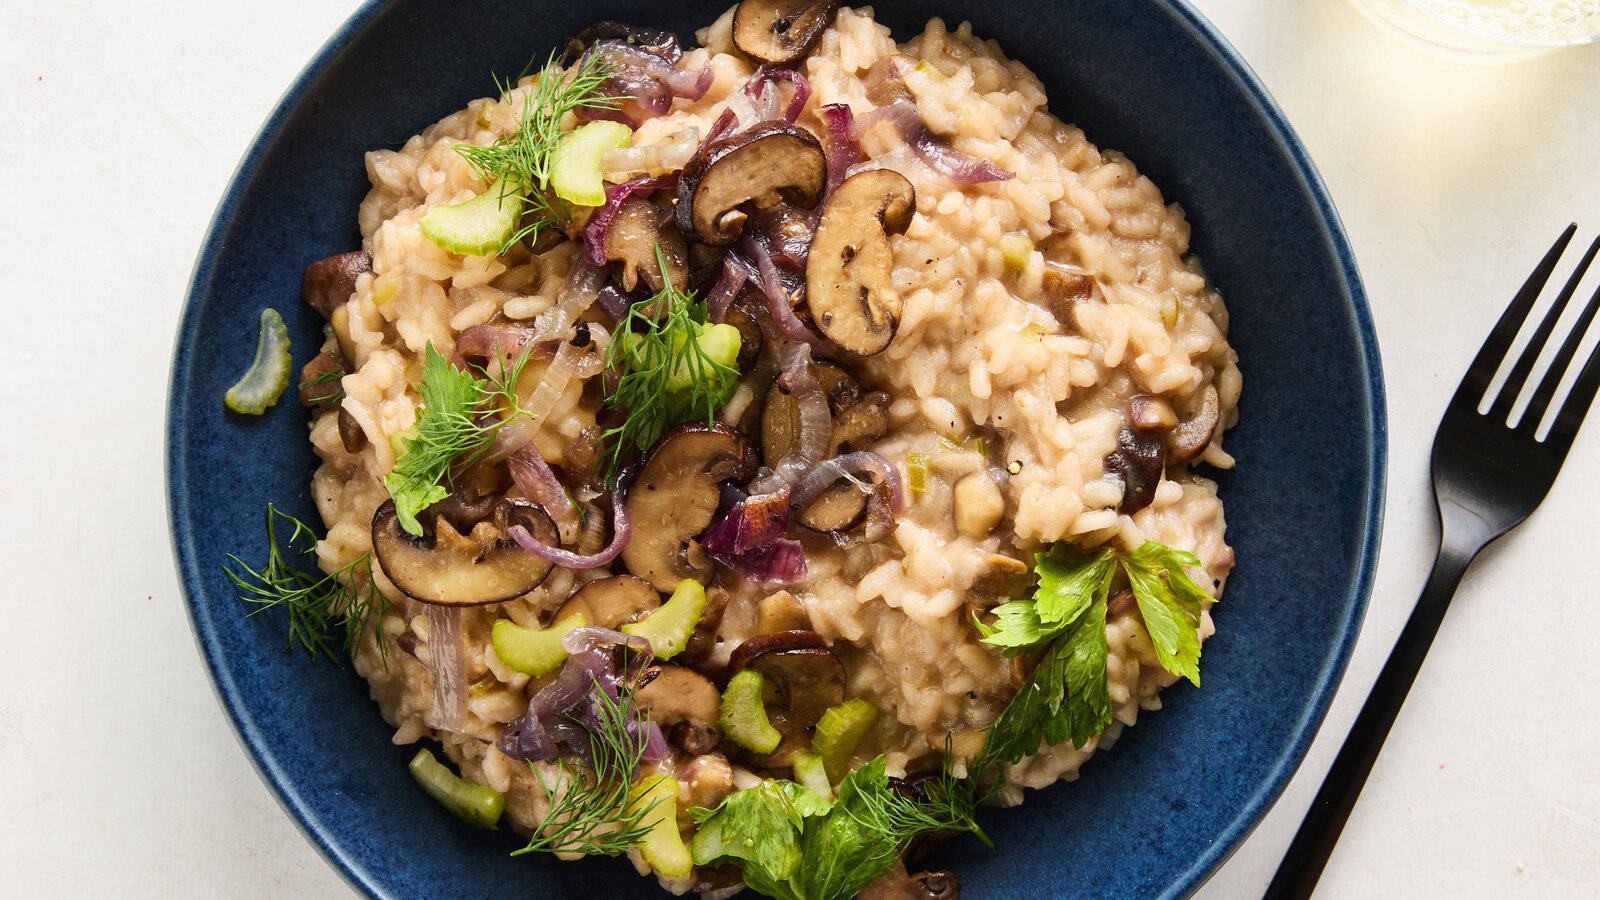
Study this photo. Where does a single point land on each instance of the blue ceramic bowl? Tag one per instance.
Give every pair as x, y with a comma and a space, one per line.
1153, 816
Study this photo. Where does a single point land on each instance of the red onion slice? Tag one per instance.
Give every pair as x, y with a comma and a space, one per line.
851, 466
535, 478
449, 712
842, 151
953, 164
780, 287
753, 522
621, 533
724, 124
781, 562
816, 422
765, 77
594, 231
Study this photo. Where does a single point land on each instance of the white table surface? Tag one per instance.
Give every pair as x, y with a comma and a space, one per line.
121, 124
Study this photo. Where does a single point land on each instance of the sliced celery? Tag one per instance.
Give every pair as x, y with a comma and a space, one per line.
662, 847
575, 168
533, 651
473, 803
669, 628
743, 717
838, 733
810, 772
1015, 248
476, 227
264, 382
917, 472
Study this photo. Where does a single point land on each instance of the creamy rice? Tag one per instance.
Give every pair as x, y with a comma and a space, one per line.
979, 353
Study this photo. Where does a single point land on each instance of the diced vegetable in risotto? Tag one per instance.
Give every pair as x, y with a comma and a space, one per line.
751, 459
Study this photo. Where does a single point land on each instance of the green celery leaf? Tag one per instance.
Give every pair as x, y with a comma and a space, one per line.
759, 827
1016, 627
850, 847
1171, 628
1069, 580
1086, 710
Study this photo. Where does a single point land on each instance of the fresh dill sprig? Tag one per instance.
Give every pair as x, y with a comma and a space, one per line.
592, 812
522, 159
346, 598
665, 375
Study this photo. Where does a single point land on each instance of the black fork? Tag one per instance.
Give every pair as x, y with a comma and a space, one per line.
1488, 476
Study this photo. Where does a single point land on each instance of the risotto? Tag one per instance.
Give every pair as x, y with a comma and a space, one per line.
799, 422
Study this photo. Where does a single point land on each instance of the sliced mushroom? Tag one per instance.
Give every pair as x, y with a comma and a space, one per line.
781, 611
1002, 578
885, 81
766, 164
612, 602
899, 884
1151, 415
328, 283
447, 568
780, 32
837, 509
319, 379
704, 640
686, 701
840, 386
705, 262
849, 292
639, 227
676, 493
708, 779
1062, 290
749, 337
351, 434
860, 424
803, 676
1138, 461
979, 505
1199, 425
662, 43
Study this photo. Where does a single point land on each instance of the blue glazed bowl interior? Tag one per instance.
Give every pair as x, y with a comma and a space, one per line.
1151, 817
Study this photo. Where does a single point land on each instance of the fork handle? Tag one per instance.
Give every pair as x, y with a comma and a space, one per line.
1313, 843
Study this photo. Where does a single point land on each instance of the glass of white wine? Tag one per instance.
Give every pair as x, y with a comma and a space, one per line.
1490, 26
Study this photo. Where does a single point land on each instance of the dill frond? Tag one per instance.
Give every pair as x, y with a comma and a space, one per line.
591, 810
650, 353
522, 159
347, 598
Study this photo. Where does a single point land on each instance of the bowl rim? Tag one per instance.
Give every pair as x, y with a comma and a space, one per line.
355, 871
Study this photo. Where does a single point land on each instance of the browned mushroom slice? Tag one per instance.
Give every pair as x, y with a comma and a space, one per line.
328, 283
849, 293
780, 32
448, 568
861, 423
319, 379
675, 495
1151, 415
704, 640
838, 508
803, 676
781, 611
631, 242
842, 389
766, 164
780, 417
1186, 441
1062, 290
686, 704
351, 434
899, 884
1138, 461
749, 337
612, 602
885, 81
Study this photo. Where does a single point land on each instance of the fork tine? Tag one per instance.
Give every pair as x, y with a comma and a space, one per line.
1501, 411
1487, 362
1540, 402
1565, 427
